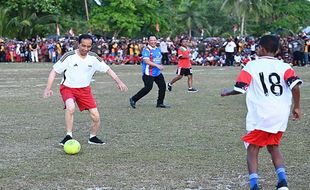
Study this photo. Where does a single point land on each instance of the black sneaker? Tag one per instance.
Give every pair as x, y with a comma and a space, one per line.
162, 106
169, 87
132, 103
67, 137
282, 185
255, 187
192, 90
95, 140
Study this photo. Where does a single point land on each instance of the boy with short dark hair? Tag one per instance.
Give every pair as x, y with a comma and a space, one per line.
270, 85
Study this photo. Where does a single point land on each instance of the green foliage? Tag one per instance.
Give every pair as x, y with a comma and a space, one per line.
125, 17
43, 6
26, 18
3, 21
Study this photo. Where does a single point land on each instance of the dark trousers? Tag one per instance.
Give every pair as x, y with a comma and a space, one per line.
148, 85
229, 59
165, 59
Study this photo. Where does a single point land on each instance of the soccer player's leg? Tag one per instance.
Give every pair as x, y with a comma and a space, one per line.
252, 161
278, 163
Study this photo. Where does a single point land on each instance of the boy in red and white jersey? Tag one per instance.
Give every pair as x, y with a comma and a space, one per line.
270, 85
184, 66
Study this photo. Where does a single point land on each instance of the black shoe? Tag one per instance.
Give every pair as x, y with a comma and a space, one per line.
162, 106
169, 87
67, 137
132, 103
282, 185
95, 140
255, 187
192, 90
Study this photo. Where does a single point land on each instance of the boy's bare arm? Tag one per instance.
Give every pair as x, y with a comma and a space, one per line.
228, 92
296, 102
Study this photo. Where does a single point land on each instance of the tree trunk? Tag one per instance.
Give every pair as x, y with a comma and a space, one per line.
242, 24
189, 25
86, 10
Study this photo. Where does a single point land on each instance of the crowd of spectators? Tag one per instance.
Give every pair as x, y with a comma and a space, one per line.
213, 51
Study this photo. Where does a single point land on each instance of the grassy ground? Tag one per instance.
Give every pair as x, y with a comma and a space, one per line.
194, 145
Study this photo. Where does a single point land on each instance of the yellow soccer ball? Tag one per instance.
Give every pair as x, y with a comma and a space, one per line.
72, 146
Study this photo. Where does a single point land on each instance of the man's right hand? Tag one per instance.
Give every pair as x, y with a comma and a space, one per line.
48, 93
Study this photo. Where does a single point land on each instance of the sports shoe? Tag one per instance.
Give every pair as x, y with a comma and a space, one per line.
162, 106
67, 137
132, 103
192, 90
169, 87
255, 187
95, 140
282, 185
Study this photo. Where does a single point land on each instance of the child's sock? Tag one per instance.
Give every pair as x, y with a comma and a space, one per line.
281, 174
69, 133
253, 179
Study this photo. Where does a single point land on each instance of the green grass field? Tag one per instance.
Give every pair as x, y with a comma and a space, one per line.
193, 145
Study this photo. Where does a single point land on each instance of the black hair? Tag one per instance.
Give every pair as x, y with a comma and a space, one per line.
85, 36
150, 35
182, 39
270, 43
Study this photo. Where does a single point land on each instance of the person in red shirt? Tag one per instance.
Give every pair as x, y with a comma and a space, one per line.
184, 66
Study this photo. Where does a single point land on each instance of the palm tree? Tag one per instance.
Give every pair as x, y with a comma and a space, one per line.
244, 8
192, 13
24, 24
3, 21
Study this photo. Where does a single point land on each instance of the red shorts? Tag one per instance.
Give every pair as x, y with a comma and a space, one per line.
262, 138
82, 96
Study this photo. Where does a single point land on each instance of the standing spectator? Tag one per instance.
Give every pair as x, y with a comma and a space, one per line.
306, 51
44, 55
18, 52
33, 47
78, 67
201, 48
271, 85
11, 47
298, 49
184, 66
151, 72
51, 48
54, 56
58, 50
164, 51
27, 52
230, 49
2, 51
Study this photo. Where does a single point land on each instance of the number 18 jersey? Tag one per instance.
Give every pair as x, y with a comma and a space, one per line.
268, 83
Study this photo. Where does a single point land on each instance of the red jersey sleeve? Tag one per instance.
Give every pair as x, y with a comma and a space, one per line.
291, 78
243, 81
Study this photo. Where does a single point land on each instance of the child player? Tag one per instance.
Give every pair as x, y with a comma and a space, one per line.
270, 85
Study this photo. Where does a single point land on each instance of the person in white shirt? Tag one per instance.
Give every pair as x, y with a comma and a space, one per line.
230, 49
78, 67
270, 85
164, 51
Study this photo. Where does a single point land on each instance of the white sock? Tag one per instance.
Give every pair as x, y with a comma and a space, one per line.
91, 136
69, 133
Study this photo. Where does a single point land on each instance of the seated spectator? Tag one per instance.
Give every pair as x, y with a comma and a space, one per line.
200, 60
222, 60
237, 58
210, 60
